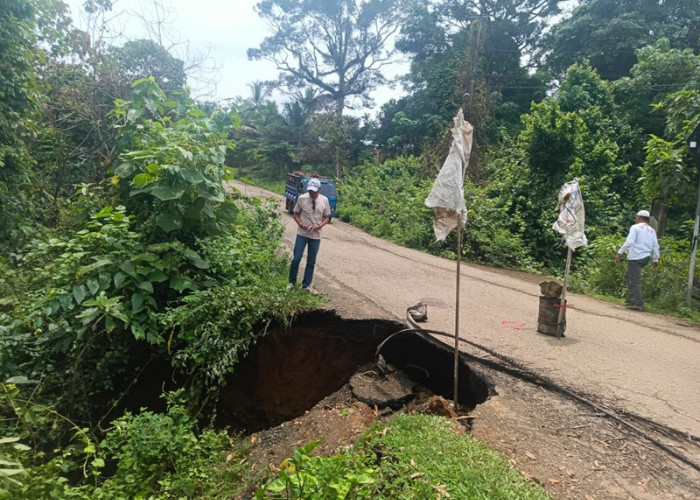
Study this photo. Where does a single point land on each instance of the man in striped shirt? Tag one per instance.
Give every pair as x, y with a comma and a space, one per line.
642, 246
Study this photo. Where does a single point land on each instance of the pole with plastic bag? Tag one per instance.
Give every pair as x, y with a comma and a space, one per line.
571, 225
446, 198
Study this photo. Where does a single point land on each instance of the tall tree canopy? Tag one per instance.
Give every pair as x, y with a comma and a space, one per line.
607, 32
336, 46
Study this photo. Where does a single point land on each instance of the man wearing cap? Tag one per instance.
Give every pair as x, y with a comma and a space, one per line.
311, 212
642, 246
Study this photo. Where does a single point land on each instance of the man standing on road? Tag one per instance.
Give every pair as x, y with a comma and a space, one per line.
311, 212
642, 245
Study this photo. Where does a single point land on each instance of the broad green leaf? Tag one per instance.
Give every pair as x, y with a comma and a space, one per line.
145, 257
180, 283
141, 179
66, 300
157, 276
6, 440
95, 265
98, 463
196, 260
166, 193
146, 286
119, 279
137, 300
128, 267
104, 212
89, 315
191, 176
133, 114
169, 221
187, 155
206, 210
18, 380
200, 263
109, 323
93, 285
79, 293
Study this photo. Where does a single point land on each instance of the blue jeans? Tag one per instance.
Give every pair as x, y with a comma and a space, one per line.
299, 245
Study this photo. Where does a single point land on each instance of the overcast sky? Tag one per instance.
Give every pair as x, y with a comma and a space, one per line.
225, 29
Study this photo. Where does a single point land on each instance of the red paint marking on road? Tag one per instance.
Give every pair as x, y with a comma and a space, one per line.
512, 324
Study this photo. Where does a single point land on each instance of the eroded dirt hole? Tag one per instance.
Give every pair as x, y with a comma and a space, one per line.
290, 370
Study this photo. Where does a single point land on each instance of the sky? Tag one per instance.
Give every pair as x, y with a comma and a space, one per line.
225, 29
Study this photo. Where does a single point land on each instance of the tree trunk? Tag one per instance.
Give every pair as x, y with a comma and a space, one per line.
339, 106
659, 212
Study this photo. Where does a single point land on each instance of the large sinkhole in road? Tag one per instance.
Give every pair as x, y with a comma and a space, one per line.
292, 369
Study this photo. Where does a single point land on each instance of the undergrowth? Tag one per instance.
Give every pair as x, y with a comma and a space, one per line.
412, 456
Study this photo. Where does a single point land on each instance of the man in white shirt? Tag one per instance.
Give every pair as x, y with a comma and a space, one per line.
311, 212
642, 246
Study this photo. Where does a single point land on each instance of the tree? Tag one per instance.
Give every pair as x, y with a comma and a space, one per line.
669, 177
576, 133
338, 47
659, 71
607, 32
466, 54
138, 59
18, 98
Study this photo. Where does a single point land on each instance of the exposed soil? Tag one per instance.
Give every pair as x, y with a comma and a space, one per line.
571, 449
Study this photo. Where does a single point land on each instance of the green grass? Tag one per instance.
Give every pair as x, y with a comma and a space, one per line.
412, 456
439, 460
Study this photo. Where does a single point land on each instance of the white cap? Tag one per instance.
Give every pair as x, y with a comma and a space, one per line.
314, 185
643, 213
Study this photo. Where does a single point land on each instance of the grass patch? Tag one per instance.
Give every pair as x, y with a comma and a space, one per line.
413, 456
422, 456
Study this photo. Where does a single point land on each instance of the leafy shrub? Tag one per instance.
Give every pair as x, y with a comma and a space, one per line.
146, 455
387, 200
664, 288
343, 476
216, 326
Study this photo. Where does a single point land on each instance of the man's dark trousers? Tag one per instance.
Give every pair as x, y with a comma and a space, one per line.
633, 277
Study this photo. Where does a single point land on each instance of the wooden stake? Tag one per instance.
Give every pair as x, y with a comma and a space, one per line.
562, 303
456, 365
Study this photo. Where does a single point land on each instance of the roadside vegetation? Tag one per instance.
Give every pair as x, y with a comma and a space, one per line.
121, 249
411, 456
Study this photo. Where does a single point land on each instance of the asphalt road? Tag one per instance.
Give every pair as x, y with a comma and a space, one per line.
640, 362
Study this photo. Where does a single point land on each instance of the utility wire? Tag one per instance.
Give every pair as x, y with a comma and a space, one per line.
529, 376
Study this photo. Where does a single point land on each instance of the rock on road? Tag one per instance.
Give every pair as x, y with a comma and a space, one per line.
643, 363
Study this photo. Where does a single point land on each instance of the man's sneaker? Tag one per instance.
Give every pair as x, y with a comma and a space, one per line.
635, 307
310, 290
289, 286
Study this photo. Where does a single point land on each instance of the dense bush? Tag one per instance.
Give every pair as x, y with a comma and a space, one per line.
165, 265
388, 201
665, 288
144, 455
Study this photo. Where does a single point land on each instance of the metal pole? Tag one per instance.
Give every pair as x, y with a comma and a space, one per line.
691, 273
459, 259
562, 303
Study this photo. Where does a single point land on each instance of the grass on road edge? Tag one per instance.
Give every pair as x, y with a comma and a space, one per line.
412, 456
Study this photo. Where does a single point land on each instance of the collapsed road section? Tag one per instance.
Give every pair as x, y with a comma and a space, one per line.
292, 369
